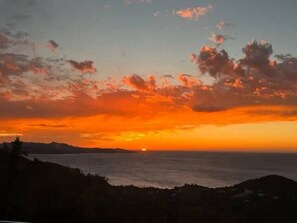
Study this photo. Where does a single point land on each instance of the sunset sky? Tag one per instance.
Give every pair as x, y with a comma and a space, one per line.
155, 74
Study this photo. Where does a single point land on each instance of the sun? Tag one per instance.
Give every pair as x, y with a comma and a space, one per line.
143, 149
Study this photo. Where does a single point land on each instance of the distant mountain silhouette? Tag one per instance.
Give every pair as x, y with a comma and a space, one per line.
62, 148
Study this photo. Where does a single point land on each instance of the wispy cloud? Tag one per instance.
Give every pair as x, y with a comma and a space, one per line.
222, 24
52, 45
6, 134
219, 39
136, 1
42, 125
193, 13
157, 13
3, 41
107, 6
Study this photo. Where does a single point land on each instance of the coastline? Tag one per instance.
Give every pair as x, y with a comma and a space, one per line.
37, 191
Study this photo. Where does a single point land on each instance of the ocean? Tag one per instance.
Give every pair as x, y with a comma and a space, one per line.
170, 169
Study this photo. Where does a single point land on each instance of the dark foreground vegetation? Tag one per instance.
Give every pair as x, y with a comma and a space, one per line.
36, 191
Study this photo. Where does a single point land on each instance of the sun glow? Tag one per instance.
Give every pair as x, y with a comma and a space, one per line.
143, 150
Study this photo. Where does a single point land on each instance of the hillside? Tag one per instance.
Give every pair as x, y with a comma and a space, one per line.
36, 191
62, 148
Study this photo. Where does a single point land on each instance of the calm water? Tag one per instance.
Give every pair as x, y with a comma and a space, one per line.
169, 169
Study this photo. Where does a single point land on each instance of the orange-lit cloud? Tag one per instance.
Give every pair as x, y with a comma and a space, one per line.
193, 13
9, 134
166, 130
42, 99
188, 80
219, 39
250, 81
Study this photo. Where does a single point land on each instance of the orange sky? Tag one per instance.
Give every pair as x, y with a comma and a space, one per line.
146, 84
184, 130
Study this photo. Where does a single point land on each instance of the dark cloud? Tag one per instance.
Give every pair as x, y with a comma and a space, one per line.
287, 68
10, 38
138, 83
253, 80
84, 67
18, 64
168, 76
49, 126
207, 108
289, 112
257, 57
215, 63
52, 45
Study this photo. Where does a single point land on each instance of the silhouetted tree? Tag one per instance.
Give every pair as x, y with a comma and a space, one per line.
16, 146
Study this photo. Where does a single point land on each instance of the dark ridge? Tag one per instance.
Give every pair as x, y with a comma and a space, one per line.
35, 191
62, 148
272, 184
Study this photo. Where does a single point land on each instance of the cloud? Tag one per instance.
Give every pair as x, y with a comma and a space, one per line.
97, 137
4, 42
106, 6
253, 80
25, 78
18, 64
138, 83
219, 39
290, 112
36, 91
222, 24
17, 35
42, 125
5, 134
213, 62
287, 67
157, 13
52, 45
188, 80
14, 64
21, 17
193, 13
256, 79
84, 67
136, 1
207, 108
38, 87
257, 54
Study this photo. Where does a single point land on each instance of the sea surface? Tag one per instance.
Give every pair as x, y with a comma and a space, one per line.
170, 169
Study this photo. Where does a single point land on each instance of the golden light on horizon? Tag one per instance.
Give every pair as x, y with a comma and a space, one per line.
220, 98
